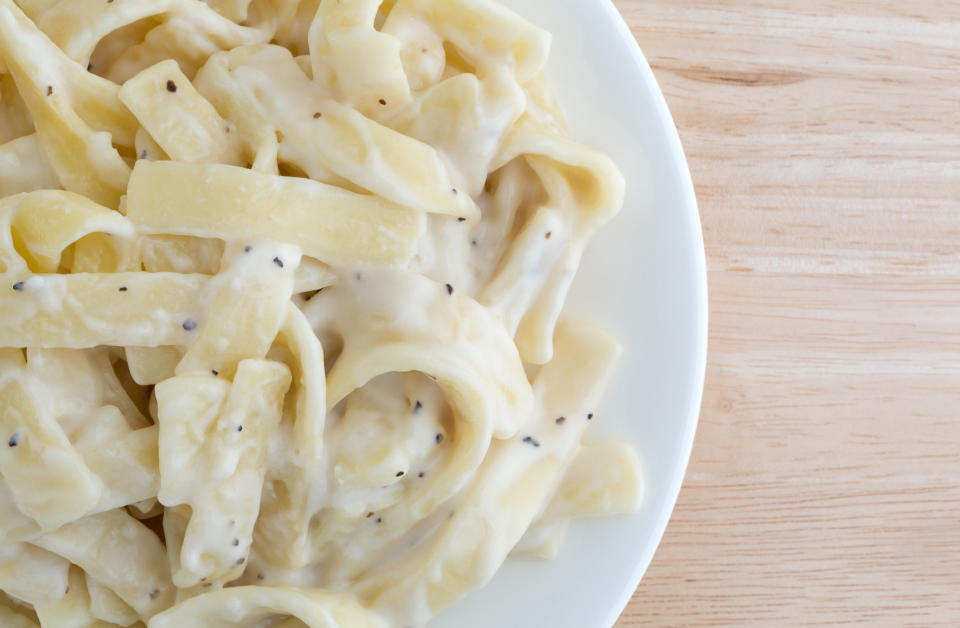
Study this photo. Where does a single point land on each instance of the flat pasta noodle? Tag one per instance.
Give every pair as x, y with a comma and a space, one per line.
488, 395
107, 606
88, 310
508, 490
292, 32
101, 253
83, 383
583, 190
70, 112
282, 535
79, 25
146, 147
14, 525
258, 136
310, 385
175, 521
245, 306
151, 365
73, 608
341, 140
358, 310
603, 479
193, 405
466, 119
190, 42
280, 311
233, 10
32, 575
127, 466
326, 222
121, 553
223, 479
15, 120
313, 275
47, 476
92, 97
23, 167
517, 44
16, 616
181, 254
244, 606
183, 123
362, 63
47, 222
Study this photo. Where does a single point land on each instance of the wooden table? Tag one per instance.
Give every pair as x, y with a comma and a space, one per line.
824, 142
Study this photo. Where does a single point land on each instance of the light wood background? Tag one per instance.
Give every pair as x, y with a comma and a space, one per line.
824, 141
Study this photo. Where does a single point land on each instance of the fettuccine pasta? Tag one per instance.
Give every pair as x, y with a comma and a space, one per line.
280, 311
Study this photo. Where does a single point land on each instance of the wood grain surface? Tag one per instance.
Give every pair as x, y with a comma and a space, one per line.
824, 141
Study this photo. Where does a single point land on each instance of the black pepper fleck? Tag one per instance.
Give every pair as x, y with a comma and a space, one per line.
247, 249
260, 576
421, 474
18, 286
215, 372
454, 190
561, 420
122, 289
278, 262
382, 101
154, 594
548, 235
143, 155
474, 243
369, 514
530, 440
239, 428
417, 406
49, 90
439, 438
241, 560
189, 324
14, 440
449, 289
317, 115
399, 474
590, 416
171, 86
461, 219
379, 519
236, 542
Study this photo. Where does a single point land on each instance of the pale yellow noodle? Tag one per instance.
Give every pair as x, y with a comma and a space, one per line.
280, 296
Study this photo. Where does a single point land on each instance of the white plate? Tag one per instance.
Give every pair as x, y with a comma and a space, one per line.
645, 278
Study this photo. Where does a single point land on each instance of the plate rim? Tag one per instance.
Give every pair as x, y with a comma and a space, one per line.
701, 295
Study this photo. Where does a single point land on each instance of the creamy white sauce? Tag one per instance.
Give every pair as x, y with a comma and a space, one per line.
418, 461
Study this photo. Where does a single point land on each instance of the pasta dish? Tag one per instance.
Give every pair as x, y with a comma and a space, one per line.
280, 311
